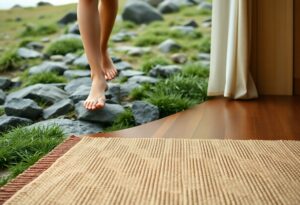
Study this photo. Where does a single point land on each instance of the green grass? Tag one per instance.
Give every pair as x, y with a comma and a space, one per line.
150, 62
45, 77
39, 30
62, 47
205, 45
21, 147
195, 69
10, 60
123, 121
176, 93
2, 112
148, 40
169, 104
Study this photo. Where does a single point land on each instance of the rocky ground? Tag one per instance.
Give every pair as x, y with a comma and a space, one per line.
140, 40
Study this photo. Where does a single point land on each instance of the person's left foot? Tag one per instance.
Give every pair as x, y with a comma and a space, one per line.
108, 66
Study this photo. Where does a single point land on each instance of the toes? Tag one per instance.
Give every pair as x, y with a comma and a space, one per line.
100, 102
108, 75
88, 105
93, 105
116, 72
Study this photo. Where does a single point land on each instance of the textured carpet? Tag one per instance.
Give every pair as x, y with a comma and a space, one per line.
169, 171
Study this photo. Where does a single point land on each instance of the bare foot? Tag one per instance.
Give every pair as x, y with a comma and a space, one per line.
96, 98
108, 66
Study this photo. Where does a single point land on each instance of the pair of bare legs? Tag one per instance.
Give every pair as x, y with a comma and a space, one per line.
96, 20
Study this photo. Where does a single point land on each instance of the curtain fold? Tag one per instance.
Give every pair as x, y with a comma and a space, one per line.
230, 50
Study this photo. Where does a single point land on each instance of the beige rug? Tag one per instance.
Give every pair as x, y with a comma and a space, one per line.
169, 171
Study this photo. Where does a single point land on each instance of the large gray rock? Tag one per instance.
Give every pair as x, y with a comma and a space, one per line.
183, 29
69, 58
130, 73
49, 66
48, 93
164, 70
126, 88
8, 122
70, 127
168, 6
2, 96
192, 23
81, 93
144, 112
140, 13
169, 45
113, 93
133, 50
25, 108
5, 82
68, 36
74, 84
204, 56
35, 45
82, 61
68, 18
107, 114
74, 28
142, 79
28, 53
60, 108
71, 74
123, 36
123, 65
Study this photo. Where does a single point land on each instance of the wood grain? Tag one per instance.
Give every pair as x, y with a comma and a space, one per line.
272, 52
268, 118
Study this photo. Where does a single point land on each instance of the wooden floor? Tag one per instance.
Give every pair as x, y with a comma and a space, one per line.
268, 118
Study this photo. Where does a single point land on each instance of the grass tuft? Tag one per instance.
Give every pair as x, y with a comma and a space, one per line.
10, 60
39, 30
21, 147
62, 47
123, 121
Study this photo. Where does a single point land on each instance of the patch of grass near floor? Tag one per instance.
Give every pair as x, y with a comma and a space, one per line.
22, 147
195, 69
62, 47
176, 93
123, 121
169, 104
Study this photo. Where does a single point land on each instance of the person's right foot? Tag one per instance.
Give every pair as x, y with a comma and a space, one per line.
96, 98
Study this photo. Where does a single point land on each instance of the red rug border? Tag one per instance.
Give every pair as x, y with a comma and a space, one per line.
9, 189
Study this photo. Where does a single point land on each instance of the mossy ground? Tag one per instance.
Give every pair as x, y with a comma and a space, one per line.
171, 95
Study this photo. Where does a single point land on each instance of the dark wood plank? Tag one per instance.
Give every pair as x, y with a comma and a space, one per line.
268, 118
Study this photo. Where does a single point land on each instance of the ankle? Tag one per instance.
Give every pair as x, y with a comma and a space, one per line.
97, 76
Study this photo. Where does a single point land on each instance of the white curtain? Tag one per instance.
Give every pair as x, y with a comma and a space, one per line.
230, 50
